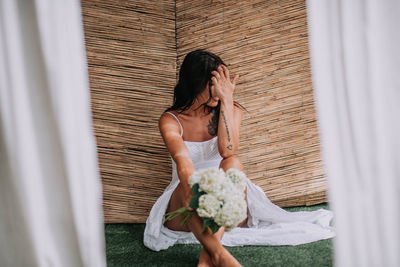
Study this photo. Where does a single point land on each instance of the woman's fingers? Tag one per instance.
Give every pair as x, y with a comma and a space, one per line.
214, 80
221, 77
221, 71
225, 71
216, 74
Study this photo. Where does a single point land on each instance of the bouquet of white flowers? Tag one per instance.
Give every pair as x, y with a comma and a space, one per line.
219, 198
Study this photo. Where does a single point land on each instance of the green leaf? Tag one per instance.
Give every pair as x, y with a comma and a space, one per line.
194, 202
206, 222
195, 188
214, 227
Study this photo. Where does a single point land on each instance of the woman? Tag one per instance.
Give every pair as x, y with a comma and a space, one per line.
218, 117
201, 130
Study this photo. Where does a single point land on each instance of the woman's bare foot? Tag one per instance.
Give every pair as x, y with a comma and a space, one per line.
225, 259
205, 259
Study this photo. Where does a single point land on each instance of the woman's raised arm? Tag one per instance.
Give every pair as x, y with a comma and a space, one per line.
229, 118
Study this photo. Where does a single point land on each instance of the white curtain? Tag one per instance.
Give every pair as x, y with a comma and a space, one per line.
355, 63
50, 187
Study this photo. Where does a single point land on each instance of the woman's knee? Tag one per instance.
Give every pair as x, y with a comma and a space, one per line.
231, 162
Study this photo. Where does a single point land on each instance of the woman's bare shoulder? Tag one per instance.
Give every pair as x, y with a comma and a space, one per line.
168, 123
171, 133
166, 116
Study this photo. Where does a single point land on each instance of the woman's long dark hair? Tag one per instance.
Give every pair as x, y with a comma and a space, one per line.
194, 74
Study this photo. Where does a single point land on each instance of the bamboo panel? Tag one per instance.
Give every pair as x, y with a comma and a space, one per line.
266, 43
131, 52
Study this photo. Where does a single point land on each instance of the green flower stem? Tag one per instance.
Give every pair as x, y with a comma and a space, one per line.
187, 215
173, 214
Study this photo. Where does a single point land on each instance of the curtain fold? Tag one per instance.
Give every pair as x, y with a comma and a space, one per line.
50, 188
355, 63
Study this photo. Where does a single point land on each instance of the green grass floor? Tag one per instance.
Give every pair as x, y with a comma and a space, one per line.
124, 247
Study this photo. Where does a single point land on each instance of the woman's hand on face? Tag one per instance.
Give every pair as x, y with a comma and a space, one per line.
222, 86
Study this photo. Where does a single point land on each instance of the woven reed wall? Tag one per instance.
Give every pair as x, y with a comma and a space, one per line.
131, 53
266, 43
134, 55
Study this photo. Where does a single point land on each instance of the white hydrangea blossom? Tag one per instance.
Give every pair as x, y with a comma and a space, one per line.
209, 206
224, 201
232, 213
195, 178
237, 177
211, 180
227, 189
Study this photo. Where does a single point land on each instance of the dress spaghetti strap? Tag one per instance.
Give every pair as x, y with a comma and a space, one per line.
177, 120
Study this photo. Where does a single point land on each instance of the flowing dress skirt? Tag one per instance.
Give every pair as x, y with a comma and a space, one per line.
267, 223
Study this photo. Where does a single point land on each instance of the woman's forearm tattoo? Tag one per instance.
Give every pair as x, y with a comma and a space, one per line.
227, 130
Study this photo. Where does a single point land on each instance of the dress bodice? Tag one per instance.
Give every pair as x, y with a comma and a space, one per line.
203, 154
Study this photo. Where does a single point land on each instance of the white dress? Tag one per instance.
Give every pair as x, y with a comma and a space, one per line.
267, 223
